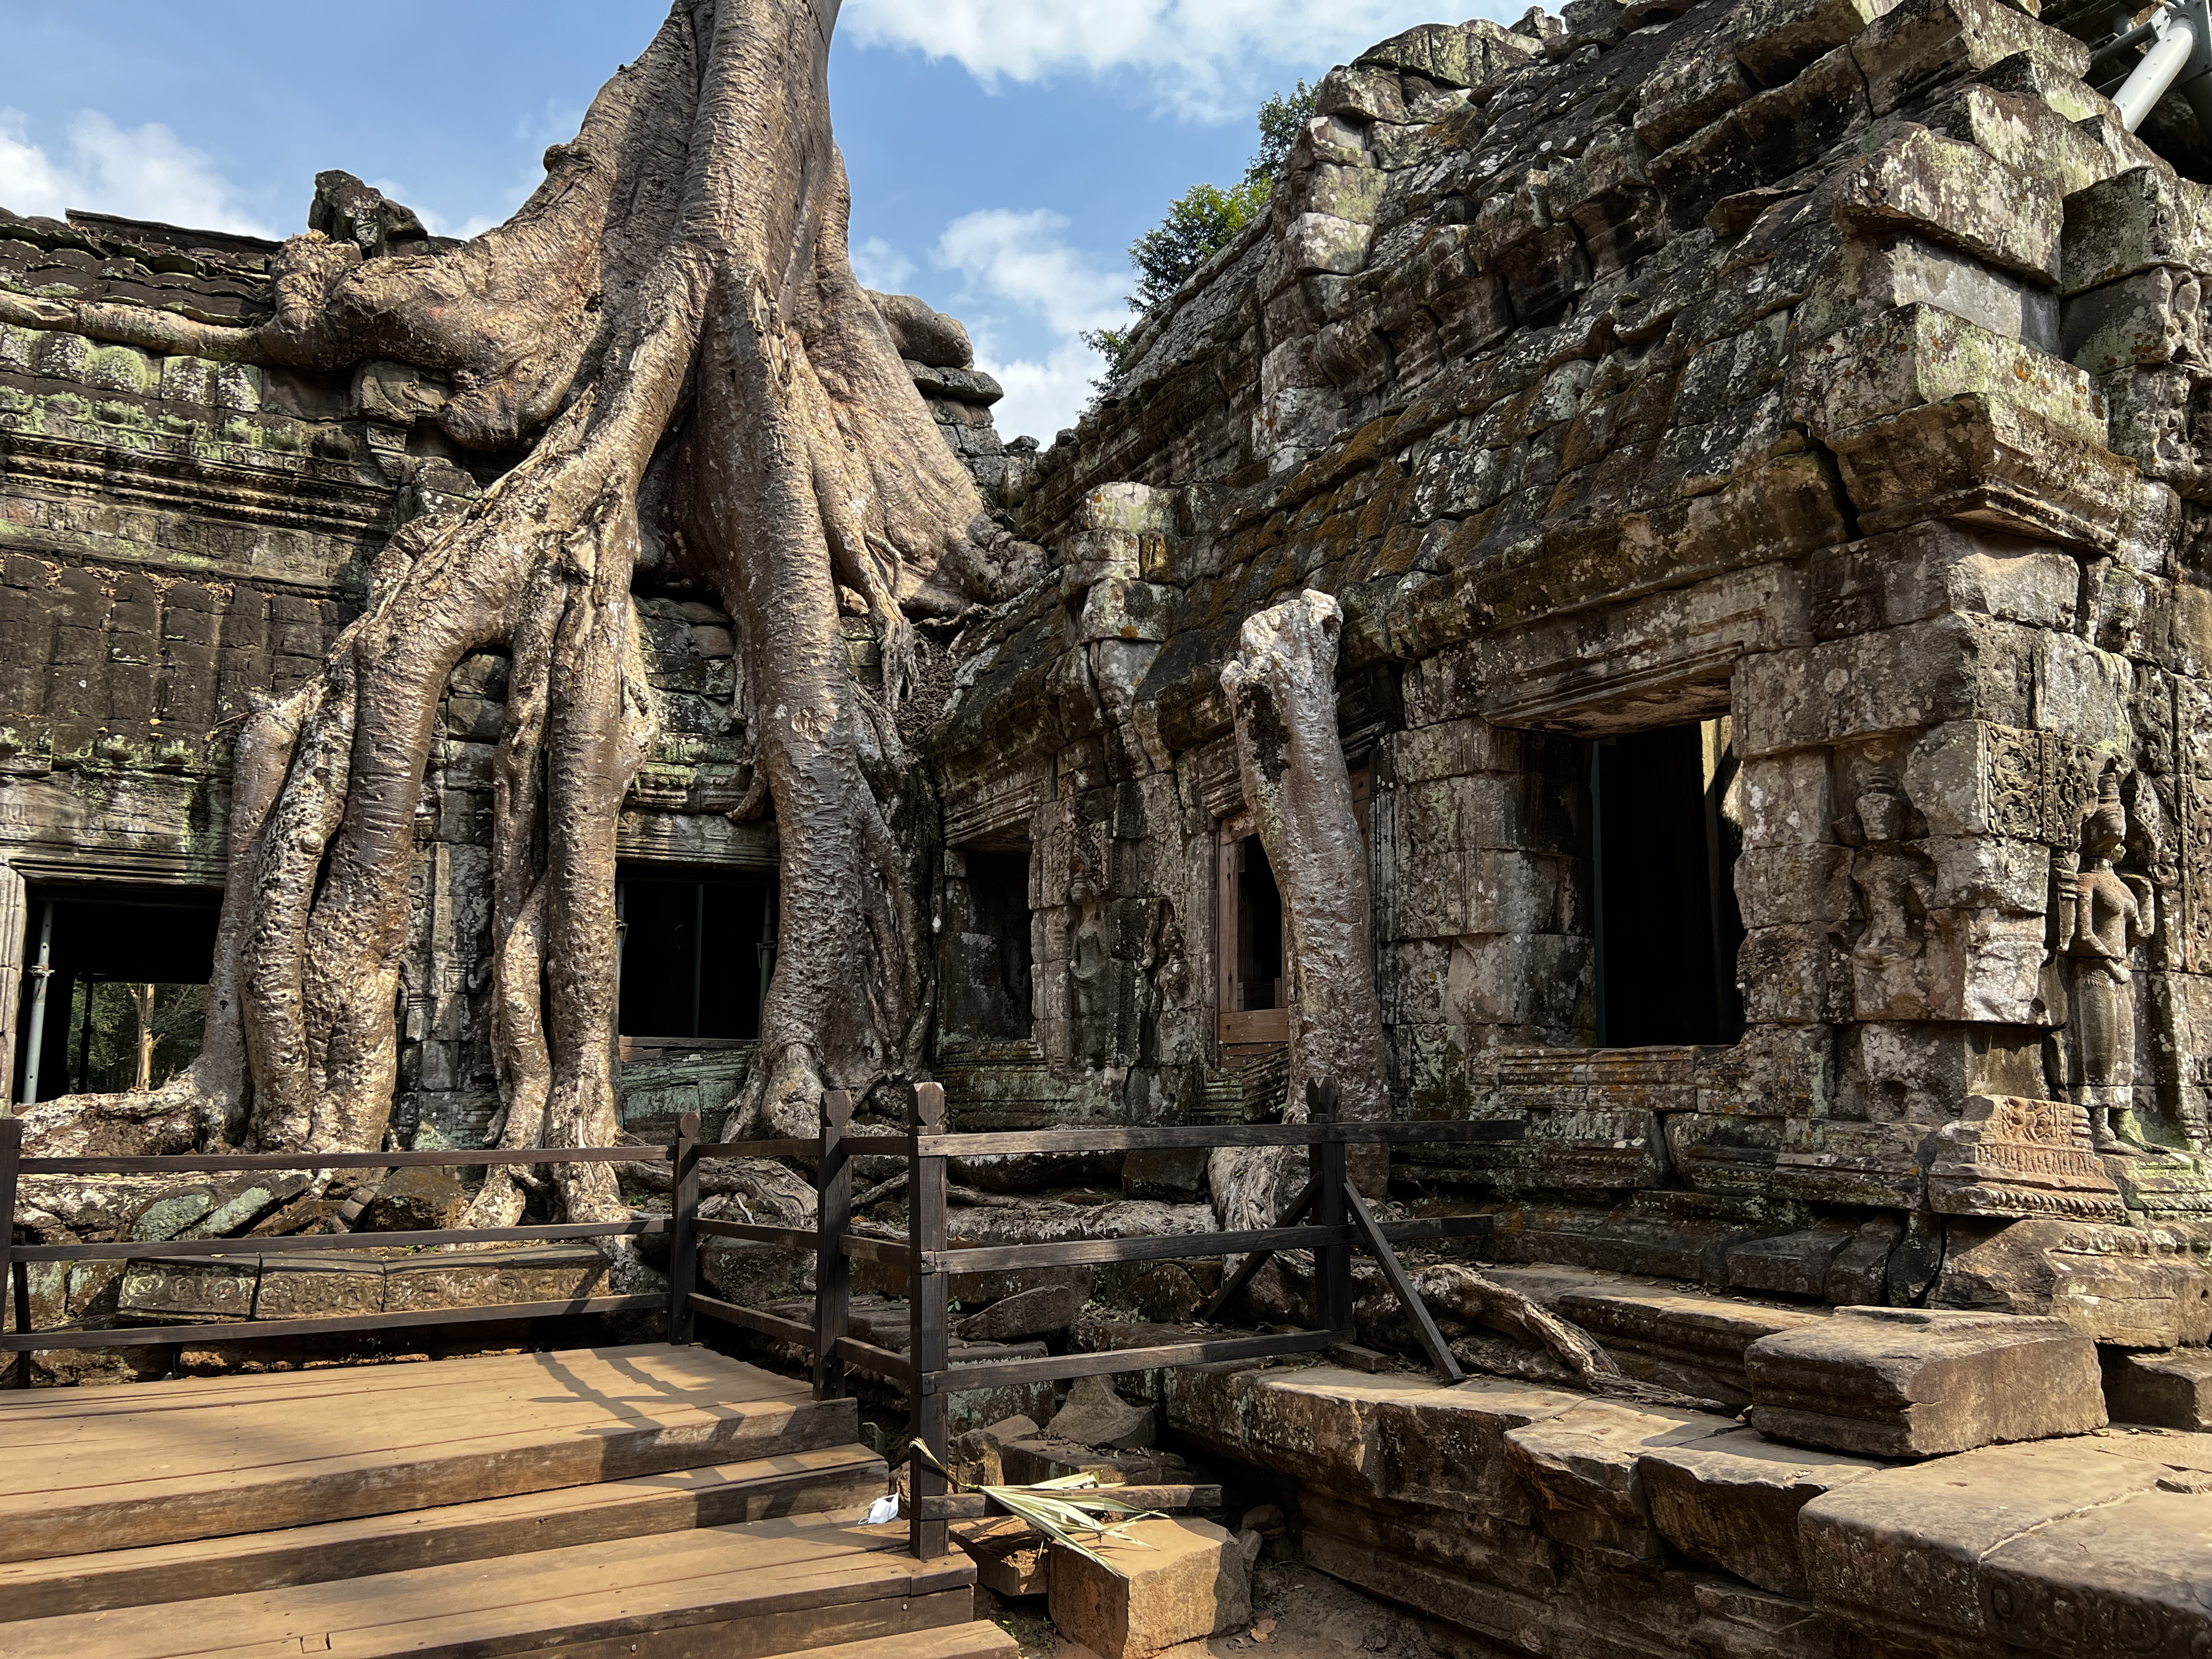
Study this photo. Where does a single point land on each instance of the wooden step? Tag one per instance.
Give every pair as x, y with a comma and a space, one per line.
843, 1482
769, 1588
98, 1469
978, 1640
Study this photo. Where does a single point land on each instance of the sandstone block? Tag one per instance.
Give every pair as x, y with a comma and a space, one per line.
2135, 222
1731, 1502
2172, 1391
460, 1279
1170, 1582
208, 1288
2086, 1548
1912, 1383
1177, 1176
1583, 1465
415, 1201
1012, 1557
2113, 1284
318, 1286
1959, 194
1096, 1416
1031, 1313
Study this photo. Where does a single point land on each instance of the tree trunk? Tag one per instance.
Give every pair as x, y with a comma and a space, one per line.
674, 303
1282, 693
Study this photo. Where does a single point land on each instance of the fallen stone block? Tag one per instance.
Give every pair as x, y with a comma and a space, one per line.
1177, 1175
1096, 1416
1731, 1502
1584, 1467
415, 1201
1915, 1382
1167, 1582
1031, 1313
1012, 1557
2172, 1391
318, 1286
2086, 1548
214, 1288
489, 1278
2116, 1285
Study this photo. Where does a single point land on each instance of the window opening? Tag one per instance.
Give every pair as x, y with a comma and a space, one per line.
989, 955
696, 954
1667, 834
124, 991
1254, 1004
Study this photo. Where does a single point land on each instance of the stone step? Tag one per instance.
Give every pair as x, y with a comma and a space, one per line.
743, 1592
95, 1470
839, 1481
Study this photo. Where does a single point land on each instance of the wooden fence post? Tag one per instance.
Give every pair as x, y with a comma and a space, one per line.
1332, 1262
832, 1270
929, 1305
16, 1275
683, 1236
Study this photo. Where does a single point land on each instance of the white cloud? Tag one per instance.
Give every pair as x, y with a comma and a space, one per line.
1020, 258
1204, 58
1025, 279
880, 266
138, 173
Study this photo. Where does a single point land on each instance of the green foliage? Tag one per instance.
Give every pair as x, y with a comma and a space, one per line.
112, 1055
1202, 221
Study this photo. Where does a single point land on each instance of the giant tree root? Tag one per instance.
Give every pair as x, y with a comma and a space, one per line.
670, 329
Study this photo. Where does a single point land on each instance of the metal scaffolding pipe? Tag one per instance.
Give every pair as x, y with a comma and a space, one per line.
41, 971
2160, 67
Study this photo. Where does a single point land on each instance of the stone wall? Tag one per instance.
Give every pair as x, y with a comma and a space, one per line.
179, 536
1828, 371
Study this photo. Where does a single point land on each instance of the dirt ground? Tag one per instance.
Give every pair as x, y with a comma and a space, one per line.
1296, 1613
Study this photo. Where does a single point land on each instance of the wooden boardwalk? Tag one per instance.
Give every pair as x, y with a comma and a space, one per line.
649, 1500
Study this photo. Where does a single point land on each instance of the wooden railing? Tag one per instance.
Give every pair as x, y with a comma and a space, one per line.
1329, 1218
16, 1259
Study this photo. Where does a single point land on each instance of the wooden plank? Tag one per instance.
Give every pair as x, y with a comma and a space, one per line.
170, 1250
450, 1159
879, 1362
1074, 1252
1394, 1272
887, 1251
811, 1482
952, 1506
755, 1320
14, 1279
1332, 1302
833, 1269
760, 1149
235, 1464
1057, 1367
929, 1301
977, 1639
684, 1217
790, 1238
729, 1590
1002, 1142
270, 1330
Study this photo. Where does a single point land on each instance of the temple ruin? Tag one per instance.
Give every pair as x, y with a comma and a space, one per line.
1657, 600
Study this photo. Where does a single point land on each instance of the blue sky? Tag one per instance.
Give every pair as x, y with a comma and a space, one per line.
1003, 153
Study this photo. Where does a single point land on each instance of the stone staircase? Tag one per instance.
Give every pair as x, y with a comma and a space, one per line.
648, 1500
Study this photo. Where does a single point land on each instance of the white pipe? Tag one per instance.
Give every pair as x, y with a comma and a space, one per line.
2160, 67
40, 973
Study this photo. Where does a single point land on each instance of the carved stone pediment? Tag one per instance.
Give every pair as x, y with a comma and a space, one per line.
2012, 1155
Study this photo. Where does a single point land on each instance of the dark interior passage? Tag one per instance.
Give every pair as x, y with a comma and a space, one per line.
126, 999
697, 953
989, 955
1667, 925
1259, 931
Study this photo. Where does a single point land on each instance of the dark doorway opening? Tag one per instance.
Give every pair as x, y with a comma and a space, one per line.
697, 953
1668, 930
990, 956
126, 987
